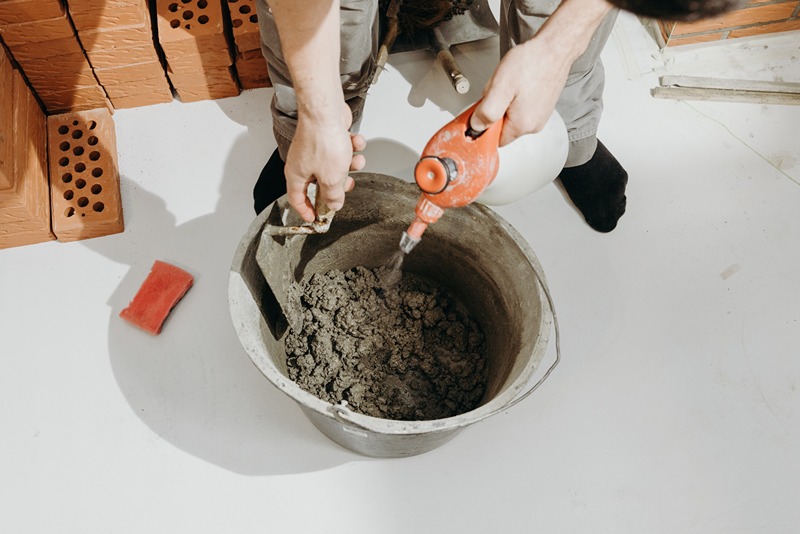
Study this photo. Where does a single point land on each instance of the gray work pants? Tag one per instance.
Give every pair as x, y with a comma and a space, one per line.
580, 103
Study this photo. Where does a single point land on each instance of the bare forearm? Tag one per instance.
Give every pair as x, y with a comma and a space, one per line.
309, 35
567, 33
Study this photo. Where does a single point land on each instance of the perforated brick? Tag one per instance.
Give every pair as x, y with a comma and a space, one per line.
84, 175
181, 20
244, 21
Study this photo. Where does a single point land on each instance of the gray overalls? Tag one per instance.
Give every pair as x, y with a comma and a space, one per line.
580, 103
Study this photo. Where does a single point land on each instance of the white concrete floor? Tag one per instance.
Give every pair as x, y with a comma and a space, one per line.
675, 409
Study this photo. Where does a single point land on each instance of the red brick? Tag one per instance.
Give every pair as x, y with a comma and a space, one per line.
47, 49
25, 208
202, 44
75, 99
36, 32
130, 73
193, 63
108, 58
776, 27
195, 94
84, 174
117, 37
253, 72
139, 87
739, 17
147, 99
109, 15
57, 82
212, 76
6, 121
179, 21
20, 11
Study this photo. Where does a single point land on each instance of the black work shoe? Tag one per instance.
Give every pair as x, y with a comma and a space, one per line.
597, 188
271, 183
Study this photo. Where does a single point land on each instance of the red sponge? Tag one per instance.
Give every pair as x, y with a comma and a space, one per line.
160, 292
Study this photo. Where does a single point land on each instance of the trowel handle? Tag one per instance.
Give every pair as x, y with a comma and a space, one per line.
442, 49
323, 213
457, 78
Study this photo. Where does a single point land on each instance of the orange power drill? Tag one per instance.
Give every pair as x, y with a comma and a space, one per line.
454, 169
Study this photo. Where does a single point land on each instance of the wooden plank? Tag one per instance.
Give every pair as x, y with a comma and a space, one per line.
725, 95
737, 85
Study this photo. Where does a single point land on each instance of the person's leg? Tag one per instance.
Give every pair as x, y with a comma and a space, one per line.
593, 178
359, 47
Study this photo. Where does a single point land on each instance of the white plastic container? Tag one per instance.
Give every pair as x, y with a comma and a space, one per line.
529, 163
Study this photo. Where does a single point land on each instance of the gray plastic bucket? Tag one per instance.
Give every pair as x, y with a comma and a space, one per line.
471, 251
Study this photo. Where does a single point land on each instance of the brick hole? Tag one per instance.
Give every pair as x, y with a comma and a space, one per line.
77, 134
78, 151
66, 177
97, 189
174, 23
83, 202
80, 183
69, 212
75, 123
173, 7
232, 1
64, 146
68, 194
94, 155
188, 15
254, 18
98, 207
63, 162
92, 140
63, 130
80, 167
202, 4
186, 1
237, 23
202, 19
97, 172
92, 125
244, 10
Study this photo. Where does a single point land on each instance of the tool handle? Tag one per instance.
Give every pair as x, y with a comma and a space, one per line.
457, 78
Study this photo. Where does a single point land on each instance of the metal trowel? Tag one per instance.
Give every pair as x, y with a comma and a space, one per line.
273, 255
475, 24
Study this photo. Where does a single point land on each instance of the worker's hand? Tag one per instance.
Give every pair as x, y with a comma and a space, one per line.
524, 89
322, 151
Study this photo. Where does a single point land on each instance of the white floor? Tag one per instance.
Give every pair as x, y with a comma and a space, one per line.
675, 409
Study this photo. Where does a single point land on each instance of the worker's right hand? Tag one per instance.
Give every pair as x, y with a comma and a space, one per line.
322, 151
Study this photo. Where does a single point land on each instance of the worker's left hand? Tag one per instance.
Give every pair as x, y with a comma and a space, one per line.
524, 89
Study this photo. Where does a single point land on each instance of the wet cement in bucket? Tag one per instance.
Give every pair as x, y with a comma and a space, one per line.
404, 350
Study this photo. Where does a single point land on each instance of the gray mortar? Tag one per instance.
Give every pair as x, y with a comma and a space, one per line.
396, 350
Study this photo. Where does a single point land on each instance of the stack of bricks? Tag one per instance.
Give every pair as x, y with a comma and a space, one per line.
251, 66
118, 39
24, 188
43, 42
199, 63
757, 17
